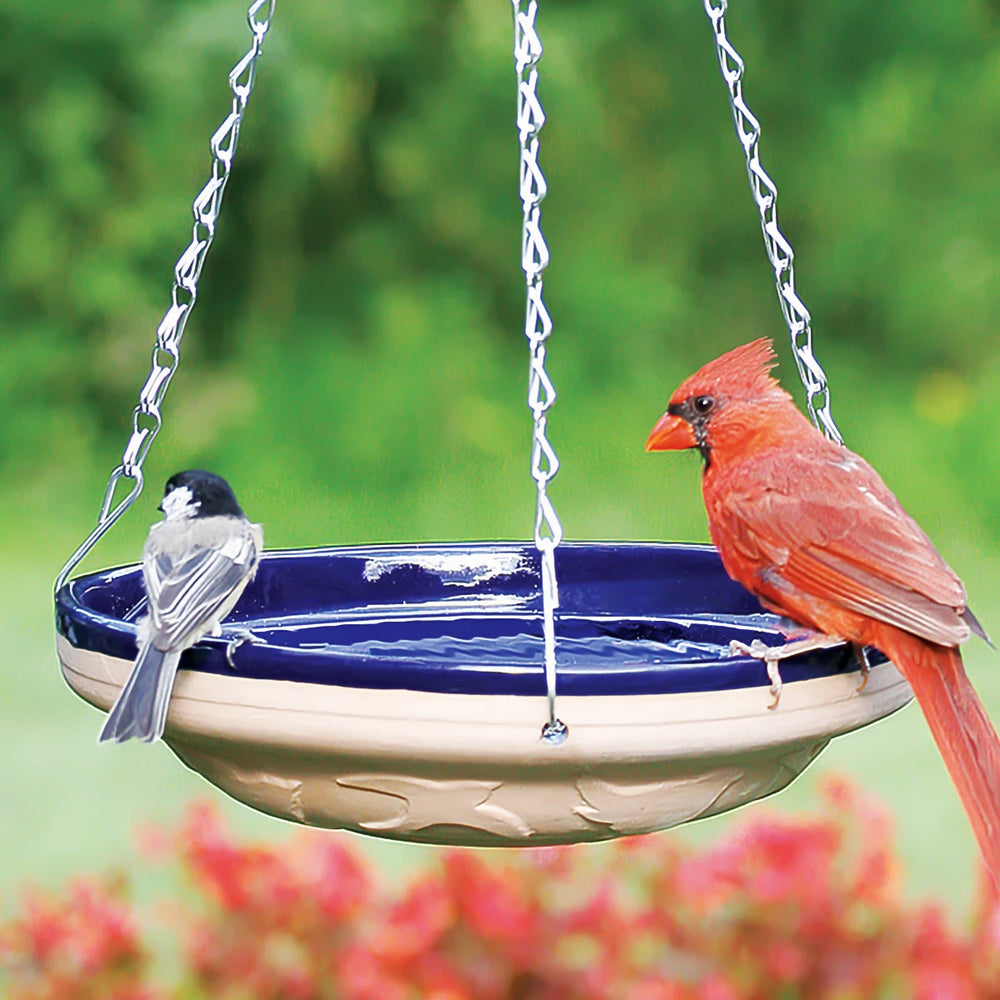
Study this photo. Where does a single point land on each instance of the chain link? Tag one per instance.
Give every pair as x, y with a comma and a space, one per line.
146, 418
779, 250
537, 328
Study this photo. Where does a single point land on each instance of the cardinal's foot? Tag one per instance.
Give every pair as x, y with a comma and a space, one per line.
862, 654
776, 684
772, 655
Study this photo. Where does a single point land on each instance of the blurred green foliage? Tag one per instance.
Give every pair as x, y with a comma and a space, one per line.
356, 365
357, 342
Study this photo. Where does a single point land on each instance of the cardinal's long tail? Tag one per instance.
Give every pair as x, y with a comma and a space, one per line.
963, 732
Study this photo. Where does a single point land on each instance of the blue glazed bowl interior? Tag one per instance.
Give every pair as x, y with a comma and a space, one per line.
634, 618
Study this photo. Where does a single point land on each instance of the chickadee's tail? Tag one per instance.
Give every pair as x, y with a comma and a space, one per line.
141, 709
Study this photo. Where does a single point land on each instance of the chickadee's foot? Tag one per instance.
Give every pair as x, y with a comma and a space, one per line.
244, 636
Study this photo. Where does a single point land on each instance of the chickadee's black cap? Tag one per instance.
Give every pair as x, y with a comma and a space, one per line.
213, 494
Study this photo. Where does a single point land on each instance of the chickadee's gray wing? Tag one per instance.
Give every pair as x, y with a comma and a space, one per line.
189, 590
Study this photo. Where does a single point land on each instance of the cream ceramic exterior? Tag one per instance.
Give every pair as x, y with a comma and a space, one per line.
465, 769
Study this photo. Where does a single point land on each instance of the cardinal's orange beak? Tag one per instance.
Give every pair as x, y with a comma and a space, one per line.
671, 433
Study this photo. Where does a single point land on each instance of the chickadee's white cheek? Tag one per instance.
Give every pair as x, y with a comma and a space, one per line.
179, 503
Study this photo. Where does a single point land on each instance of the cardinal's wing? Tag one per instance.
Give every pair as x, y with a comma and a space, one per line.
827, 526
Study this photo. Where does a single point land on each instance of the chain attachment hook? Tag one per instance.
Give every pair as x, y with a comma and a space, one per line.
146, 418
779, 250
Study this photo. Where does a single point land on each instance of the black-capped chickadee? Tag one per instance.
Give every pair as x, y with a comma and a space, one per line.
195, 564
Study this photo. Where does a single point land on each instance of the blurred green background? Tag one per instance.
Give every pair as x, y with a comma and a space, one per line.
356, 365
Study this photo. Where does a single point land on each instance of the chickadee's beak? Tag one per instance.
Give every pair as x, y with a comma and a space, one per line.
671, 433
159, 507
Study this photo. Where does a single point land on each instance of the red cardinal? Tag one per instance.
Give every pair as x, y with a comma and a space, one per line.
814, 533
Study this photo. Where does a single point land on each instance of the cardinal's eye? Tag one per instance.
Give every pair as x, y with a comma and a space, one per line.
703, 405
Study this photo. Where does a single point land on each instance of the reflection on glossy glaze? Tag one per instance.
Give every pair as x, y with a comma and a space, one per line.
461, 567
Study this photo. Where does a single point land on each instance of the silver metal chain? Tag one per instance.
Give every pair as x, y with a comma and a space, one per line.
537, 328
146, 419
779, 250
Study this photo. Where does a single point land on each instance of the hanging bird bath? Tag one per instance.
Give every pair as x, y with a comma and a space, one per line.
398, 691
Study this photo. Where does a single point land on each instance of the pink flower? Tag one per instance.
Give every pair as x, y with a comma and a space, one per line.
797, 907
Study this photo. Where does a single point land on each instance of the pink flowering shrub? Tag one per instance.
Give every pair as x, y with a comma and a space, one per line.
82, 945
797, 909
